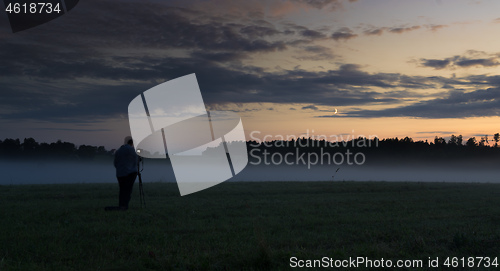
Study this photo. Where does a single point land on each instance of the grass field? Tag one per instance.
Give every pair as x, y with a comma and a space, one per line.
244, 226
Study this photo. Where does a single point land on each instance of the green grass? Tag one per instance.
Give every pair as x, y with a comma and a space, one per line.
244, 226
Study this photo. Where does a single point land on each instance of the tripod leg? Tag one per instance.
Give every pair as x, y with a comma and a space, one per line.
141, 192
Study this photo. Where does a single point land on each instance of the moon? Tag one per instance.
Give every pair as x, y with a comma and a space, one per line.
335, 111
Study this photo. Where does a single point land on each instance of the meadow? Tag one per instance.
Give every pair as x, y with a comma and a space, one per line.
245, 225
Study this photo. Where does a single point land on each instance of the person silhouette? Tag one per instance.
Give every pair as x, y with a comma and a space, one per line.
126, 164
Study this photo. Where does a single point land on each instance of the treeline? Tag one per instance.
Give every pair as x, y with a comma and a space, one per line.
389, 149
396, 149
29, 148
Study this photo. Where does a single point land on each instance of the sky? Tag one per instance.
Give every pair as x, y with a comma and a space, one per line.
391, 68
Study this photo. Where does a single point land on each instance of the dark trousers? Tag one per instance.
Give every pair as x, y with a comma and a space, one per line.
126, 184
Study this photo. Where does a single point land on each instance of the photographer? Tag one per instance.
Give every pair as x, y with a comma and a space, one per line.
126, 164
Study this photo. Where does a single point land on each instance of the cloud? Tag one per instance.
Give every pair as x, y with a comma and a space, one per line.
470, 59
400, 30
316, 53
255, 31
83, 102
298, 35
312, 34
456, 104
435, 27
317, 49
343, 33
72, 129
312, 107
375, 31
53, 74
100, 90
320, 4
407, 94
218, 56
437, 132
52, 53
259, 8
492, 80
488, 62
436, 63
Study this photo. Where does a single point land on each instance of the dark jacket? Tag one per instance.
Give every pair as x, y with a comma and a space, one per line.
125, 161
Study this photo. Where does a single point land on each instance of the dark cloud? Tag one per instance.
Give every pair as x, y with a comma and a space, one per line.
72, 129
435, 63
405, 94
79, 102
469, 59
73, 98
334, 4
377, 31
346, 86
312, 107
157, 25
113, 53
301, 35
493, 80
312, 34
218, 56
374, 31
489, 62
102, 30
255, 31
317, 49
400, 30
456, 104
343, 33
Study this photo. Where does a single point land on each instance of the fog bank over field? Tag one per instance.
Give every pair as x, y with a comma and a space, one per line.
392, 173
302, 159
53, 172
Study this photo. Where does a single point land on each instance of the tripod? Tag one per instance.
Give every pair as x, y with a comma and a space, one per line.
141, 190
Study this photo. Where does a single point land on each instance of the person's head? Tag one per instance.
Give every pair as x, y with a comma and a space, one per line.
128, 140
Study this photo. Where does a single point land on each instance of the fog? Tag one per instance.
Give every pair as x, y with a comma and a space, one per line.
417, 173
55, 172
